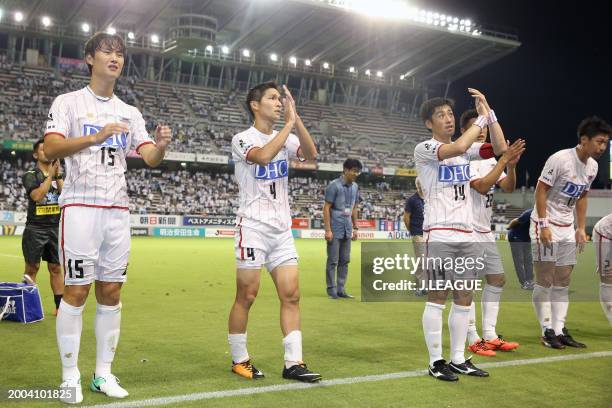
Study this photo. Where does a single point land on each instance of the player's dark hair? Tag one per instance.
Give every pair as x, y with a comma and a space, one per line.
593, 126
429, 106
257, 92
35, 147
99, 40
352, 164
467, 116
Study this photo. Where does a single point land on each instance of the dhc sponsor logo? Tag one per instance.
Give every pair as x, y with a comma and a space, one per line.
274, 170
573, 190
454, 174
113, 141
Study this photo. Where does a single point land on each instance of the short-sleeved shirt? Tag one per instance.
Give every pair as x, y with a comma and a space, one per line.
446, 185
520, 233
46, 212
568, 178
95, 176
343, 197
482, 204
415, 207
263, 190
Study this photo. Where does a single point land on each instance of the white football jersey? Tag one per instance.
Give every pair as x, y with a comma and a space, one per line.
482, 204
568, 178
604, 226
264, 197
95, 175
446, 185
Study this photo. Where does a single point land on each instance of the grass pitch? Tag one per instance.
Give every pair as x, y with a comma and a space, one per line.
174, 338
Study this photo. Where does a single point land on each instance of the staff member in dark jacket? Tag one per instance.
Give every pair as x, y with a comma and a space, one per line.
520, 245
413, 219
340, 219
43, 185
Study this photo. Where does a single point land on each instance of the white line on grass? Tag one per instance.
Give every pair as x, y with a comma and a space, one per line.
10, 255
338, 381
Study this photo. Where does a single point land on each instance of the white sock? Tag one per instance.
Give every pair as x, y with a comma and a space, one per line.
432, 329
458, 320
293, 348
559, 300
68, 328
541, 304
107, 325
605, 296
238, 347
472, 335
491, 296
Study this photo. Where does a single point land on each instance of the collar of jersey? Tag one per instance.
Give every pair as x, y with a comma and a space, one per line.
100, 98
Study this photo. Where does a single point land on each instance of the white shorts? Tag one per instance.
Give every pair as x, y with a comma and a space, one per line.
490, 253
94, 244
563, 252
255, 248
442, 245
603, 253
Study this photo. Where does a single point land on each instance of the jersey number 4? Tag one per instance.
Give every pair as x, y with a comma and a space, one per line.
109, 152
273, 190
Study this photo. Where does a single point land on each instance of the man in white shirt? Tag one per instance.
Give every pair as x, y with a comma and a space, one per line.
602, 238
443, 169
486, 174
93, 130
263, 225
562, 186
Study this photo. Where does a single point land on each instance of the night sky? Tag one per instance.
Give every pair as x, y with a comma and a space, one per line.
559, 75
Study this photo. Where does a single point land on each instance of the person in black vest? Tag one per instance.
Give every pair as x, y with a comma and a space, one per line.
520, 245
43, 185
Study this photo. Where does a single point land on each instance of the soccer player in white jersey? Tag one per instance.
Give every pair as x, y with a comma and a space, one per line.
602, 238
94, 130
443, 168
486, 175
562, 186
263, 225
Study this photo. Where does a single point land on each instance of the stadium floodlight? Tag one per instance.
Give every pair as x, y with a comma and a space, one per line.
273, 57
1, 12
225, 49
307, 62
131, 36
18, 16
367, 72
111, 30
85, 27
326, 65
461, 22
379, 74
209, 48
46, 21
449, 19
155, 38
402, 77
293, 60
455, 20
246, 53
351, 69
462, 28
468, 23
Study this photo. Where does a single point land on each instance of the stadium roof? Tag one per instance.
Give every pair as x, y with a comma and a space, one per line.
316, 30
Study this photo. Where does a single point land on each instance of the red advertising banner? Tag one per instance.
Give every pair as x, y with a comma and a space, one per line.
366, 224
300, 223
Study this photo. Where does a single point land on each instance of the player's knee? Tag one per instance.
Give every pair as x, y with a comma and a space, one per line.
32, 268
55, 269
246, 298
291, 297
76, 295
497, 280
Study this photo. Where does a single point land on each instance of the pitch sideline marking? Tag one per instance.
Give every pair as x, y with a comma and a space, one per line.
326, 383
10, 255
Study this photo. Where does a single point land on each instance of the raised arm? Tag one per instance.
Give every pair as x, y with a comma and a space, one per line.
498, 139
264, 155
153, 154
509, 158
308, 148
